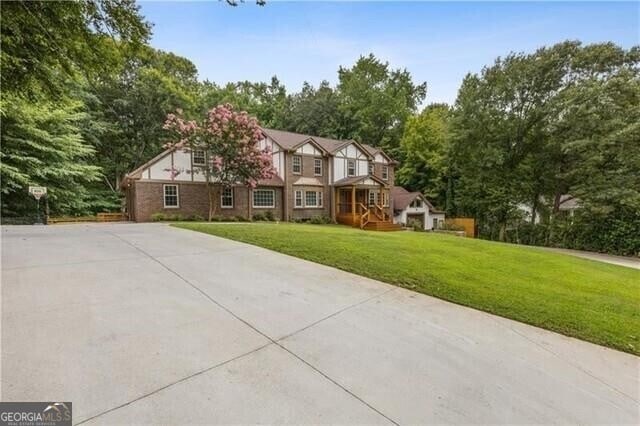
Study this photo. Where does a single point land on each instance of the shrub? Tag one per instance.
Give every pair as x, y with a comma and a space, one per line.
320, 220
269, 216
415, 225
258, 217
241, 219
157, 217
450, 226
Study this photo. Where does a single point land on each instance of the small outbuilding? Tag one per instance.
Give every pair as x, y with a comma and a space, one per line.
413, 206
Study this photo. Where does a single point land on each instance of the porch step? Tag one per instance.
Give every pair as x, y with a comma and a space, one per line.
382, 226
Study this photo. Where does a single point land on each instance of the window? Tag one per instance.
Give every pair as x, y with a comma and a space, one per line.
417, 203
351, 167
226, 198
170, 196
198, 157
435, 223
298, 199
313, 198
385, 199
264, 198
297, 164
385, 172
317, 166
372, 197
371, 168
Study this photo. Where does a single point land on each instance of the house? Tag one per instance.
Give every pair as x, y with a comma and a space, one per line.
408, 206
345, 180
567, 206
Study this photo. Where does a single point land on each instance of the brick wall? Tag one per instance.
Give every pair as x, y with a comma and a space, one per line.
308, 172
276, 210
147, 197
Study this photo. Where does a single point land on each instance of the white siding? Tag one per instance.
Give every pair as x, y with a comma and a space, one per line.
161, 169
339, 170
350, 152
182, 163
309, 149
381, 159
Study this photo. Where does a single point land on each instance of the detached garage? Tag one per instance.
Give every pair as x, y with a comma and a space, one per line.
413, 206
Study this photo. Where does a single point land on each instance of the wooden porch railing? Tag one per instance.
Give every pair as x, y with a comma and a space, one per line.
364, 215
380, 213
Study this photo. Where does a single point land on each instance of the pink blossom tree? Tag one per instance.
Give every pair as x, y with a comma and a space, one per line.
231, 142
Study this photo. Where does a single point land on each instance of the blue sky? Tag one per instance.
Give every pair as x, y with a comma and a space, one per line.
437, 42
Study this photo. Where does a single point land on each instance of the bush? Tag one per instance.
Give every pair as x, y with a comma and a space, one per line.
258, 217
269, 216
415, 224
157, 217
241, 219
449, 226
320, 220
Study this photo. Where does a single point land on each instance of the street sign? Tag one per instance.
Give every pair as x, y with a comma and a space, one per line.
37, 191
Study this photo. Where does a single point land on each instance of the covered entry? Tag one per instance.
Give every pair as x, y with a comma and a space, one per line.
361, 200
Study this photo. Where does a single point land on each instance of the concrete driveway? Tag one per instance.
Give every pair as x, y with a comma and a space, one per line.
152, 324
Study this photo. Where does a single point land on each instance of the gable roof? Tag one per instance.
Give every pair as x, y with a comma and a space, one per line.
402, 198
290, 141
355, 179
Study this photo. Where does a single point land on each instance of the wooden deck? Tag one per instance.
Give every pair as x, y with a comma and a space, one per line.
373, 224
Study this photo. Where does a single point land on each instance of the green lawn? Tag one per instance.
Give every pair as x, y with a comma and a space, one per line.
589, 300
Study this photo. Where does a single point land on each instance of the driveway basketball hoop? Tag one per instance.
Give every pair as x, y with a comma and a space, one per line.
37, 192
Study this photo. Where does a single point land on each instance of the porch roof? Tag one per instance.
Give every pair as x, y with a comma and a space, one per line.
354, 180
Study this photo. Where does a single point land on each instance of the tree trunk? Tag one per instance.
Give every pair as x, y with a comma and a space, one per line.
210, 194
503, 231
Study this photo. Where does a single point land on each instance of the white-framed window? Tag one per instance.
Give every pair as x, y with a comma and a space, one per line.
264, 198
385, 172
226, 198
417, 203
171, 196
313, 198
351, 167
317, 166
371, 168
297, 164
298, 199
385, 199
374, 197
199, 158
435, 223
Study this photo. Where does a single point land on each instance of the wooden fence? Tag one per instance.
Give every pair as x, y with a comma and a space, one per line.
100, 217
468, 223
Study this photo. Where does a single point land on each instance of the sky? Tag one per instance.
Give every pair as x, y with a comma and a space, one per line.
437, 42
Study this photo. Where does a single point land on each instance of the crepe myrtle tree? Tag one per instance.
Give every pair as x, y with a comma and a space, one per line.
231, 141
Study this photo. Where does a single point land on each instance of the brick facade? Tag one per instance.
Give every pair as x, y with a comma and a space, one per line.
293, 212
144, 198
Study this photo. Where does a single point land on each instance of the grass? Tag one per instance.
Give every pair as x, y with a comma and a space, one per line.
589, 300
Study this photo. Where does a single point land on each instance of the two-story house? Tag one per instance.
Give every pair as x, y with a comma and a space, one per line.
342, 179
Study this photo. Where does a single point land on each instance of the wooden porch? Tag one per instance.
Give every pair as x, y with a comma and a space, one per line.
365, 207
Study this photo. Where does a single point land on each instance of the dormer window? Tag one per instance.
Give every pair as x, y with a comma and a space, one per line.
199, 157
385, 172
351, 167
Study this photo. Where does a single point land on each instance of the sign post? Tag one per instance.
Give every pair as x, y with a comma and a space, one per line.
38, 192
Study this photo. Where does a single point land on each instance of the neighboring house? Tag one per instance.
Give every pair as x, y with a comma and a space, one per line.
408, 206
567, 206
341, 179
